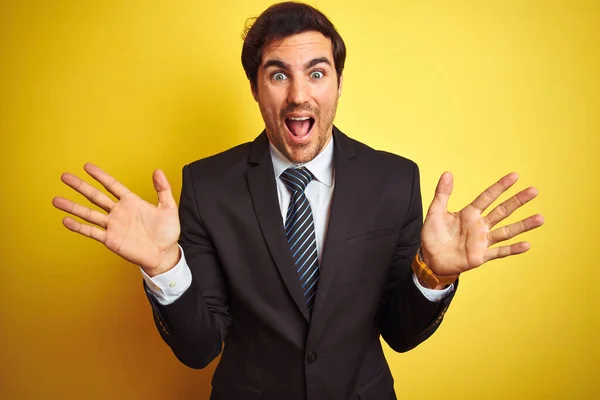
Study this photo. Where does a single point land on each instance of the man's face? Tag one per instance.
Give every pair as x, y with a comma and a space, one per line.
297, 91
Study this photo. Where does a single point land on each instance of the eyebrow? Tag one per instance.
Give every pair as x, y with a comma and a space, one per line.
282, 65
316, 61
276, 63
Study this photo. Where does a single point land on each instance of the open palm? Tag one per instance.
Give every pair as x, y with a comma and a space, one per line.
453, 243
136, 230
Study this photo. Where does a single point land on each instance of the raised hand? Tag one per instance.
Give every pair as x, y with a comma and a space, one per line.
453, 243
136, 230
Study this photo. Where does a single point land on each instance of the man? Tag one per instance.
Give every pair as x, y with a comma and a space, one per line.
296, 249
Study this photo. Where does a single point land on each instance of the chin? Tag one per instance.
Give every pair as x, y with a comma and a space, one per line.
302, 155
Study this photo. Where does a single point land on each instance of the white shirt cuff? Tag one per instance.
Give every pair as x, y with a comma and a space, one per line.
169, 286
433, 295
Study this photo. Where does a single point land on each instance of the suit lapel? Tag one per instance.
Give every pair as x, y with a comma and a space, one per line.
341, 213
263, 190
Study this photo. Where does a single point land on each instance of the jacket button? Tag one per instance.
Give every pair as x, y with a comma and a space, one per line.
311, 357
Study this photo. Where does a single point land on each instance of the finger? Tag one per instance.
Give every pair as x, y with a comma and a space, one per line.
490, 195
85, 230
115, 187
505, 251
443, 191
90, 192
509, 206
510, 231
87, 214
163, 189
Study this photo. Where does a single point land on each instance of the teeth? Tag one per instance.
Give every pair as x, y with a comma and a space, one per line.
299, 118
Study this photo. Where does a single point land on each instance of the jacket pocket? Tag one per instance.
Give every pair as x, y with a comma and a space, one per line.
230, 390
380, 387
370, 235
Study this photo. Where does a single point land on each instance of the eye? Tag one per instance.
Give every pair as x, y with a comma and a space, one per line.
279, 76
317, 74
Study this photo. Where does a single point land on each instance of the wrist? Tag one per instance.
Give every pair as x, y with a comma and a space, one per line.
170, 259
427, 283
440, 287
427, 277
426, 260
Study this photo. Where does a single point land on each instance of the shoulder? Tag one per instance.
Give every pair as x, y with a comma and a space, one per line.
381, 161
217, 175
223, 161
221, 169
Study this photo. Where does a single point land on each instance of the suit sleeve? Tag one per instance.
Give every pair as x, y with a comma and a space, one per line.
196, 324
405, 317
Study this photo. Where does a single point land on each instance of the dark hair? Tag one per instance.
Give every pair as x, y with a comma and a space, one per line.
280, 21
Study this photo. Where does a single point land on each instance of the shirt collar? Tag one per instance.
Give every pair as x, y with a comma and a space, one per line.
321, 166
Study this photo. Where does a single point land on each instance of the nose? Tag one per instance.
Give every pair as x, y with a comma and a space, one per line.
298, 92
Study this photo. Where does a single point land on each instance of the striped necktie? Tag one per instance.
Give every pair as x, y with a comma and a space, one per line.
300, 232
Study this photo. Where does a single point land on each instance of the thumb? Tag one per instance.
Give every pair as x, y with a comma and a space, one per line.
163, 189
442, 194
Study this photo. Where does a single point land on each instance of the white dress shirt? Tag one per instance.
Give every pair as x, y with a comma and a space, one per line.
167, 287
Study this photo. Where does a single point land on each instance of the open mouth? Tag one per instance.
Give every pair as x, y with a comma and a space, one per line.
299, 127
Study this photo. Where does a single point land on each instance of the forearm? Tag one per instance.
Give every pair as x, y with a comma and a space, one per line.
189, 325
408, 317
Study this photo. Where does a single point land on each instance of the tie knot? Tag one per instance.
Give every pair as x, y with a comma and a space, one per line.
296, 179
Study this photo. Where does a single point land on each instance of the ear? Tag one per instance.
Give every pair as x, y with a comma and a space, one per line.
254, 92
340, 86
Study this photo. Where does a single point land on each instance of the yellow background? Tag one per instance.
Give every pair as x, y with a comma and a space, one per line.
479, 88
